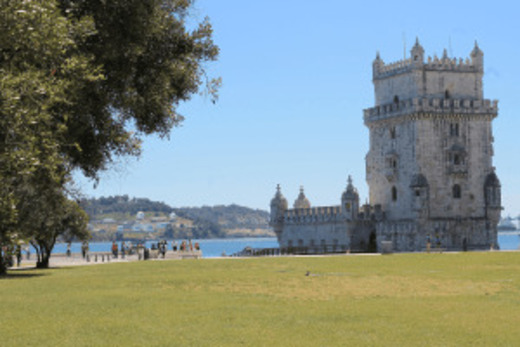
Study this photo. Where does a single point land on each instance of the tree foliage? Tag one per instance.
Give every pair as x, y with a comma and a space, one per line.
150, 63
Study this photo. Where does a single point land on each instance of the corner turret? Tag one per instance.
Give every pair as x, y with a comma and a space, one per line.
477, 58
377, 65
492, 195
350, 201
278, 208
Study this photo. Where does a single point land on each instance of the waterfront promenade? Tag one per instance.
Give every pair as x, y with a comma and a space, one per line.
76, 259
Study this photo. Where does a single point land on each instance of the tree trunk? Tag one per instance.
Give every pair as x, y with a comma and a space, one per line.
3, 267
43, 260
43, 263
44, 254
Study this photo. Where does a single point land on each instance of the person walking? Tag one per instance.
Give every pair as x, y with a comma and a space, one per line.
114, 249
18, 255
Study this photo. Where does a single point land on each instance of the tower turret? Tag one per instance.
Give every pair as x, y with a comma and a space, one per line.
477, 58
417, 53
278, 208
302, 201
492, 195
350, 201
376, 65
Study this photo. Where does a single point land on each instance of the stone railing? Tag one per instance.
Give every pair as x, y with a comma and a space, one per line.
431, 105
392, 68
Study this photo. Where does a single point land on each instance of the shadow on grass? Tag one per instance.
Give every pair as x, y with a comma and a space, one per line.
31, 272
21, 273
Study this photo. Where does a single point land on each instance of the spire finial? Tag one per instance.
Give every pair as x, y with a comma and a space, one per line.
349, 180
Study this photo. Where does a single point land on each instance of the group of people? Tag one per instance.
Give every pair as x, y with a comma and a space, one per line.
186, 246
126, 249
13, 253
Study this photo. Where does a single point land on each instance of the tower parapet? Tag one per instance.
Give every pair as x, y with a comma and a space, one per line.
313, 215
444, 77
474, 63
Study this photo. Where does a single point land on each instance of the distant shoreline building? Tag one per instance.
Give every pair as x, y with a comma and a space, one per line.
429, 167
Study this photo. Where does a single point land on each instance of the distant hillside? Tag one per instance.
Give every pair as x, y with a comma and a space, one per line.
122, 204
228, 217
204, 222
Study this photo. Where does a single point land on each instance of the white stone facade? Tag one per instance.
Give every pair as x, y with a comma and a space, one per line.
429, 166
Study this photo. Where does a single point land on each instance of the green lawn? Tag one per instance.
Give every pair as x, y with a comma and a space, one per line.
400, 299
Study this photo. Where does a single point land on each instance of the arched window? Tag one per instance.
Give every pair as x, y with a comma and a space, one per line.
396, 99
454, 129
392, 132
394, 193
456, 191
456, 159
447, 94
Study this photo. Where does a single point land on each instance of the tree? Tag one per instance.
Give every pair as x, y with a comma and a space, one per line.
35, 39
81, 82
61, 217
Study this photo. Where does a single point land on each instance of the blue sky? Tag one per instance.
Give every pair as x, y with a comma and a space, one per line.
296, 77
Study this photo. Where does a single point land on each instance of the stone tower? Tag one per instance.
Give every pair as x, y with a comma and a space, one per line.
429, 166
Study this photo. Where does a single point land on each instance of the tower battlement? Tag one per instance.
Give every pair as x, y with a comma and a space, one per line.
313, 215
416, 76
473, 63
383, 70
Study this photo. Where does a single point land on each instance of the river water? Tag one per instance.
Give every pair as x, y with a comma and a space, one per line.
214, 248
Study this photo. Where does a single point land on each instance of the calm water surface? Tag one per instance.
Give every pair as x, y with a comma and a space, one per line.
214, 248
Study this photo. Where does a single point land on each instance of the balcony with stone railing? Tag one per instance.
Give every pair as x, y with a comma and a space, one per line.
431, 106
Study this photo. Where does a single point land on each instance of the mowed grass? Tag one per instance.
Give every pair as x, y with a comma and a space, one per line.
395, 300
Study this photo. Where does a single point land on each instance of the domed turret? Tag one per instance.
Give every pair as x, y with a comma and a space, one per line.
278, 208
279, 201
302, 201
350, 200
